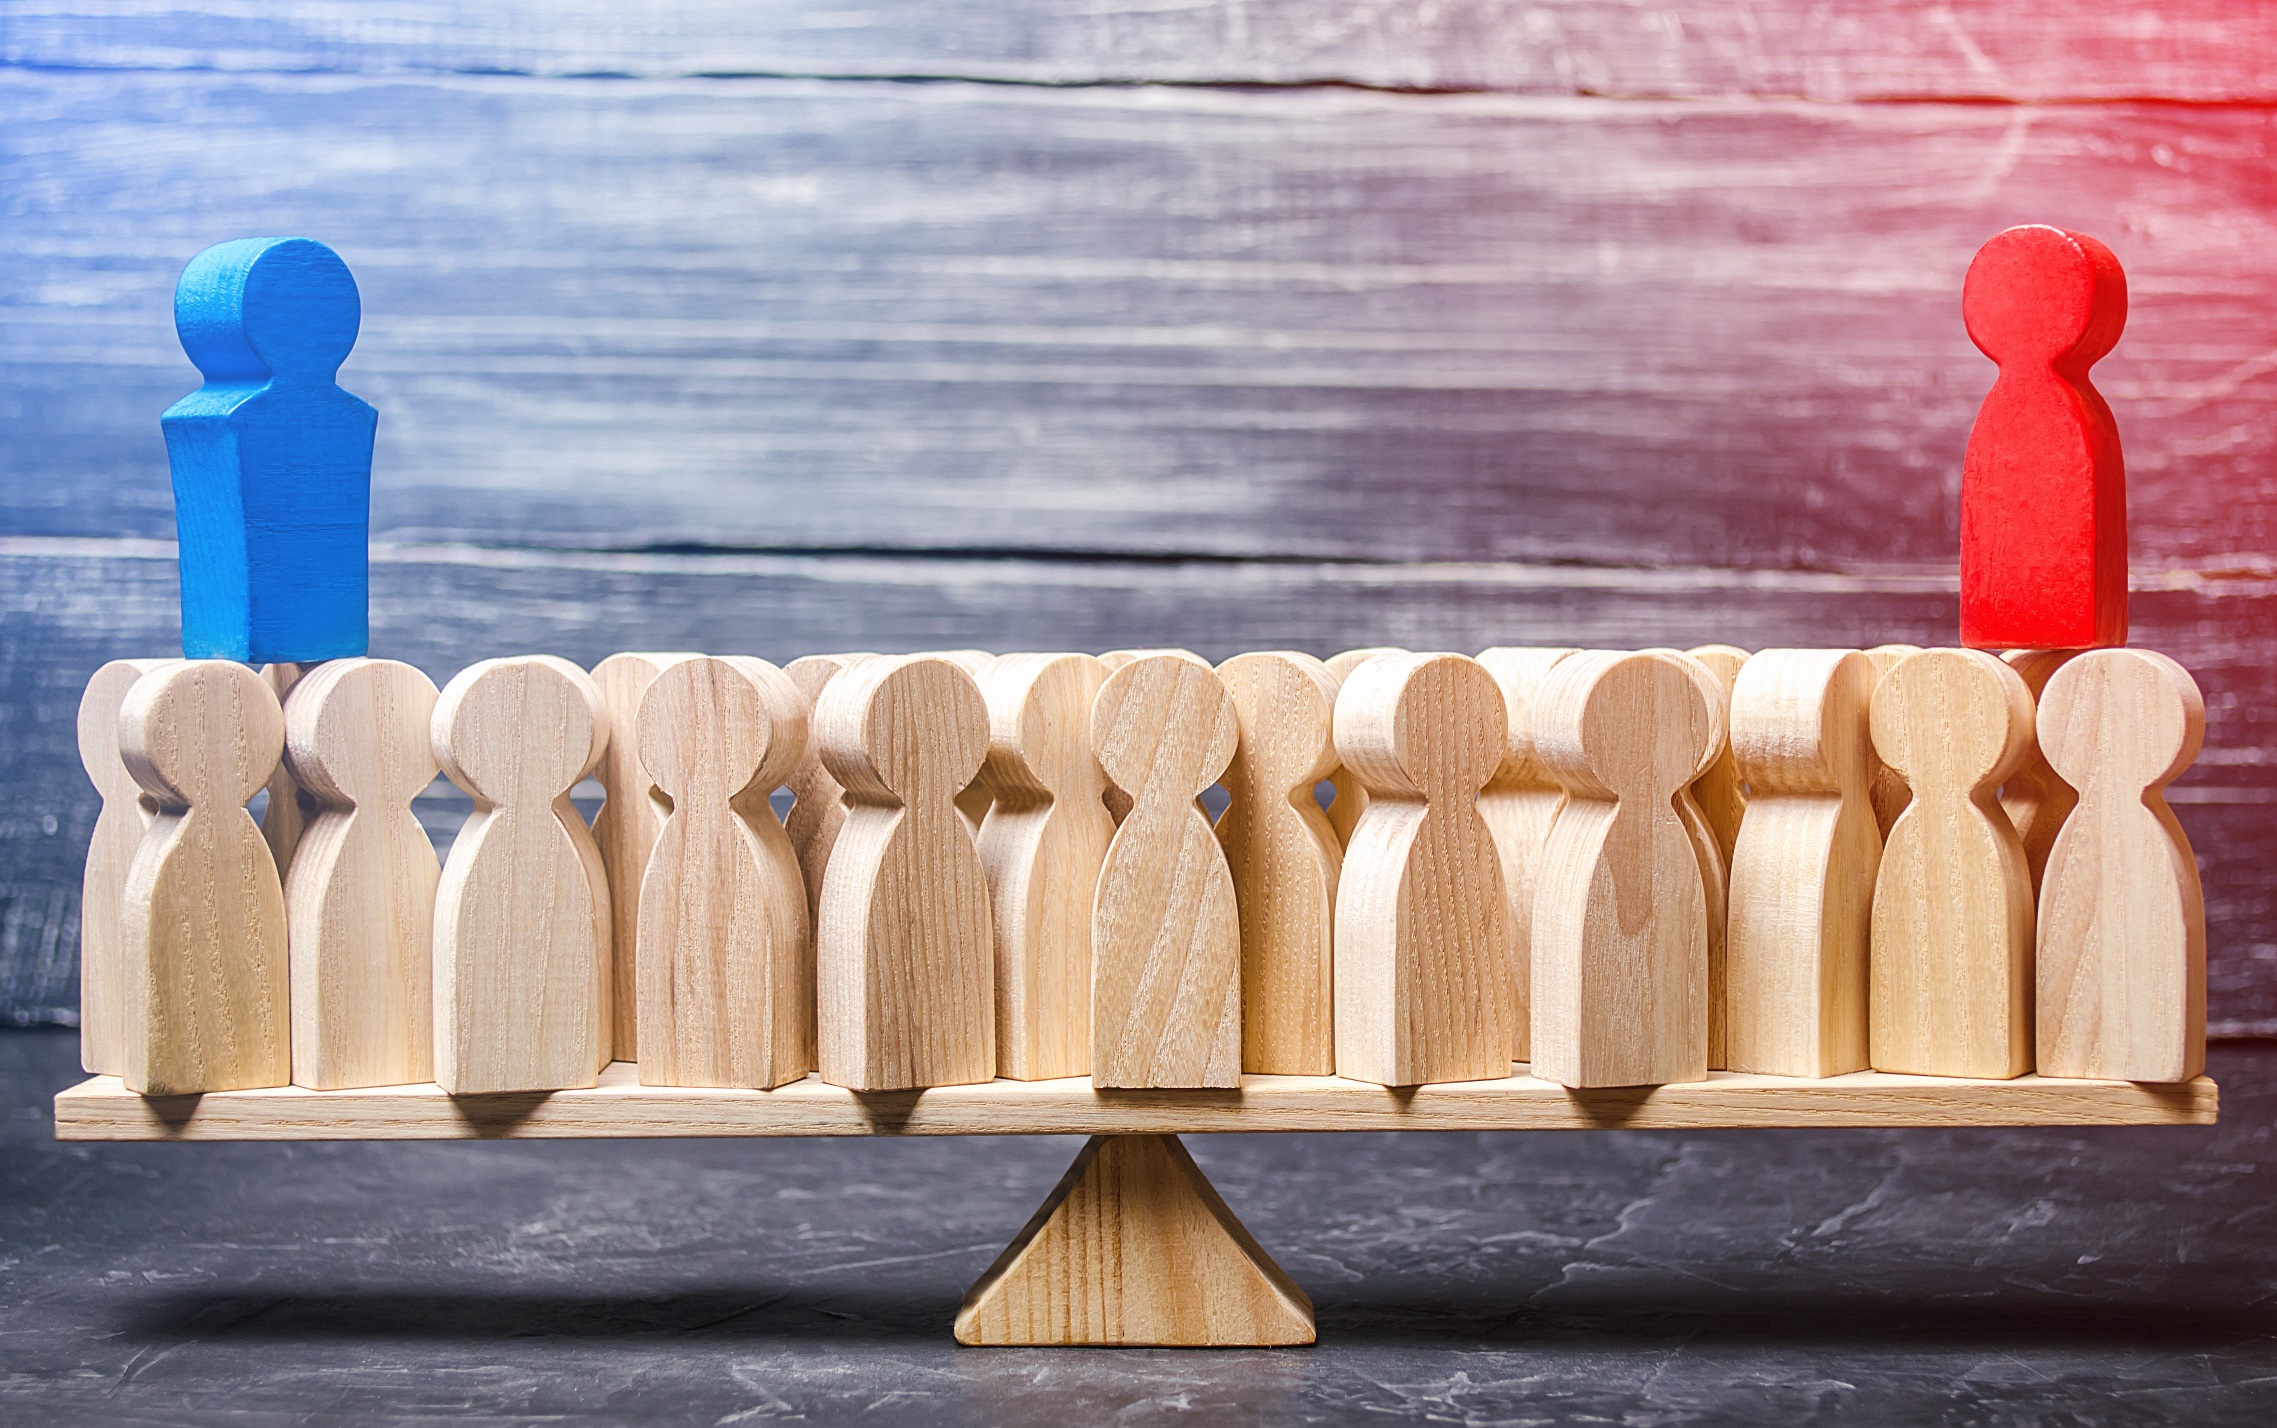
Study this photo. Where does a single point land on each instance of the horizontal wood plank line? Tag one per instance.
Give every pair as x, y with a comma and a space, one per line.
102, 1109
1997, 50
1496, 328
2245, 574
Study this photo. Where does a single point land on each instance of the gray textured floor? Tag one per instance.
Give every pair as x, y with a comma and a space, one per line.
2049, 1276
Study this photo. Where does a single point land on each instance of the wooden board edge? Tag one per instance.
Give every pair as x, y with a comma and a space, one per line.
100, 1108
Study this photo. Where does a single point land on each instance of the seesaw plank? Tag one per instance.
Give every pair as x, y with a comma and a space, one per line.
619, 1107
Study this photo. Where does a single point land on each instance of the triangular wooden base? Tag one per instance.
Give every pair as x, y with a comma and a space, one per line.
1134, 1247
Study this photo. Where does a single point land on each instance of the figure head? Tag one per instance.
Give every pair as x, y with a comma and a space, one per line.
2041, 294
255, 308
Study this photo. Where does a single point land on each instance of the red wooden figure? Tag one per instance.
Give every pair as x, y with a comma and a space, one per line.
2044, 487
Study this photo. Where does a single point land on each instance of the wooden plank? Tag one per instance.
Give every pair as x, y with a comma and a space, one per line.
789, 314
1858, 49
67, 606
101, 1109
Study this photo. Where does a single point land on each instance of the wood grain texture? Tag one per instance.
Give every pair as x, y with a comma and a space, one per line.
202, 921
1165, 927
625, 830
1857, 50
973, 799
522, 921
903, 947
1735, 363
1284, 856
1351, 798
1620, 938
1134, 1247
1042, 844
2035, 799
360, 893
1709, 848
1802, 873
818, 807
101, 1109
1519, 804
1890, 793
1426, 974
72, 605
126, 814
1952, 927
2121, 953
1720, 793
724, 957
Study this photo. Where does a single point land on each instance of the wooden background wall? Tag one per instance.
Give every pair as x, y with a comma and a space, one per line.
777, 326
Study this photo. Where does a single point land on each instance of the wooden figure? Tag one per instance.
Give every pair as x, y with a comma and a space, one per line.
1119, 802
1426, 979
1713, 853
360, 893
1134, 1247
1350, 800
1802, 873
625, 830
1519, 804
973, 799
723, 956
522, 918
1952, 931
289, 807
2122, 930
1890, 793
206, 1005
1284, 857
2044, 486
1719, 793
127, 812
1165, 929
272, 462
905, 956
2033, 797
818, 807
1620, 907
1042, 845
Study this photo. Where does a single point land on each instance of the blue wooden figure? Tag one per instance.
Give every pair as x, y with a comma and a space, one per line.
272, 461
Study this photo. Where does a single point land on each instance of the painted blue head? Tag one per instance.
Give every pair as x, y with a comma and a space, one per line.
255, 308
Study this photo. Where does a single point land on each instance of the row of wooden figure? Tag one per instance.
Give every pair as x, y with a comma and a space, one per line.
1624, 868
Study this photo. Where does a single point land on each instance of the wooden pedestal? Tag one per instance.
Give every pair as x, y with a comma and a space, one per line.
1134, 1248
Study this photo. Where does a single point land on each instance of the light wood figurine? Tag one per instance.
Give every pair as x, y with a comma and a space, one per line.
1952, 933
1284, 858
522, 923
1620, 908
1165, 929
1042, 843
1350, 799
818, 807
625, 830
202, 921
1890, 793
1519, 804
724, 959
360, 891
2034, 797
1426, 978
1802, 874
288, 809
2122, 928
126, 813
904, 954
